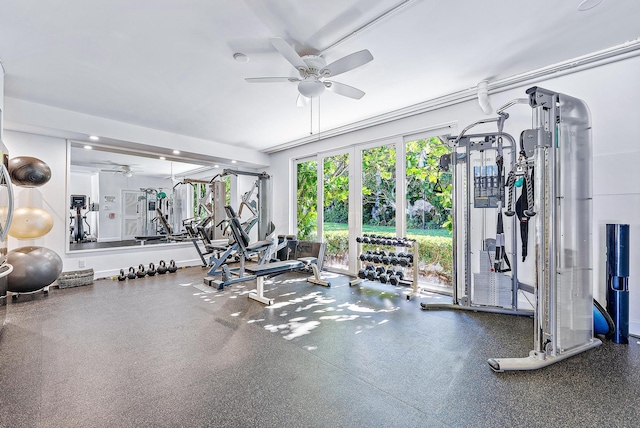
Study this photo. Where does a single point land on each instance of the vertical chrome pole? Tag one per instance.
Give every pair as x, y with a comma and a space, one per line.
454, 221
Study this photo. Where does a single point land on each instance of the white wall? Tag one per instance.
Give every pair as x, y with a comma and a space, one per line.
1, 95
611, 91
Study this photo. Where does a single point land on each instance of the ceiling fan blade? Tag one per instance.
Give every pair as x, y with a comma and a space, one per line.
342, 89
347, 63
271, 79
288, 52
302, 100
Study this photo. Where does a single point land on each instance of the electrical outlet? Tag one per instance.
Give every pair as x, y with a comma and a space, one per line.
80, 263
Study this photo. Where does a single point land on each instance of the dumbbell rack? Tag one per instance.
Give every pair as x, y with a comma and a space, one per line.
399, 242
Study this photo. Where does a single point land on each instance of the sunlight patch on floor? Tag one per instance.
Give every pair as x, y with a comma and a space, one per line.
294, 328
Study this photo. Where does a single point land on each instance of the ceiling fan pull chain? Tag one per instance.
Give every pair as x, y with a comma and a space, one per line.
311, 121
318, 118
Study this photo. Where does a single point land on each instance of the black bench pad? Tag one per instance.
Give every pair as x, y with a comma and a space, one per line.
269, 268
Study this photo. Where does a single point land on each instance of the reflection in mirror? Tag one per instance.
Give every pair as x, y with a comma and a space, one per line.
119, 199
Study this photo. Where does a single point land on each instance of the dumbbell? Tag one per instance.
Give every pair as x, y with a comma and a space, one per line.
410, 256
362, 273
383, 278
359, 239
404, 261
394, 280
400, 274
376, 258
395, 260
386, 260
366, 239
363, 257
380, 270
372, 275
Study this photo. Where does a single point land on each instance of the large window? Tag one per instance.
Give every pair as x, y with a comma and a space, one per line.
397, 189
428, 212
335, 226
379, 189
307, 200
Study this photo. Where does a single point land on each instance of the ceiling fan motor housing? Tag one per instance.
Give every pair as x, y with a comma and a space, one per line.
311, 86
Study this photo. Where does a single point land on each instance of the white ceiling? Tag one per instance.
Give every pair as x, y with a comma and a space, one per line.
169, 64
100, 159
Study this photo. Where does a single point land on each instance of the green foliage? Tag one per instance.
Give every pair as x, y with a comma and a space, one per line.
428, 196
424, 183
336, 188
379, 186
307, 179
227, 183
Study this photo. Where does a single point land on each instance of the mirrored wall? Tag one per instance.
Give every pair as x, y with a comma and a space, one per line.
122, 199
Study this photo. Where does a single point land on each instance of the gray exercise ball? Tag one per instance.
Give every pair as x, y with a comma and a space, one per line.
27, 171
33, 268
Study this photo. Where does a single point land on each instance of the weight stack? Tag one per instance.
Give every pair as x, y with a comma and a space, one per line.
618, 280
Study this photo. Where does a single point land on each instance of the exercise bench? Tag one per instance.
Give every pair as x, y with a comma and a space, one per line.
277, 268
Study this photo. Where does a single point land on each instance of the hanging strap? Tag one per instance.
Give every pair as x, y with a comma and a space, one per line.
511, 181
529, 212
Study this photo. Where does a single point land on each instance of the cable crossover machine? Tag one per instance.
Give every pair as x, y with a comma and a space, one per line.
550, 167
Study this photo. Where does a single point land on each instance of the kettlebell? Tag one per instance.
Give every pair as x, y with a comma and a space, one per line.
122, 276
152, 269
162, 267
141, 273
132, 273
172, 267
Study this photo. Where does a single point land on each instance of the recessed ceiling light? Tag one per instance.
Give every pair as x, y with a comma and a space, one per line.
240, 57
588, 4
88, 147
93, 138
163, 158
234, 161
176, 152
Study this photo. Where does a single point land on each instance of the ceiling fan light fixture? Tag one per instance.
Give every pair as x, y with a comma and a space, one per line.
240, 57
311, 88
588, 4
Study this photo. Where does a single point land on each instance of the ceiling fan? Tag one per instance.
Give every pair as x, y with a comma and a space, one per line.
125, 170
314, 71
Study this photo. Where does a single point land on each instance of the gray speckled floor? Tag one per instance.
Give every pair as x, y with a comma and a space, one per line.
168, 351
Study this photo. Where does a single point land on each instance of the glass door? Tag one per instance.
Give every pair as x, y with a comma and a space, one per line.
335, 211
379, 190
428, 211
307, 199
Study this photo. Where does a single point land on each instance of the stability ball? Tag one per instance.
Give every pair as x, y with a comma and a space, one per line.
33, 268
28, 172
30, 223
